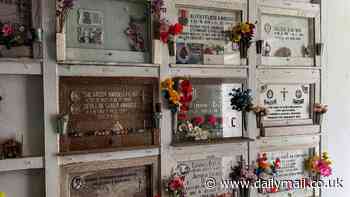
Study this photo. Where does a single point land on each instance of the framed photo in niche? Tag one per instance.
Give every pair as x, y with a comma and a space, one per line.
20, 25
203, 41
289, 102
108, 113
131, 177
111, 31
210, 115
290, 35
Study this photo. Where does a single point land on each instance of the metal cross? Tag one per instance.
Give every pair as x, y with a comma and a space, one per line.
284, 92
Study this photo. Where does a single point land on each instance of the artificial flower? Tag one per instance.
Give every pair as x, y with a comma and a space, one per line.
175, 29
186, 86
245, 28
176, 183
212, 120
7, 30
198, 120
167, 84
164, 36
174, 96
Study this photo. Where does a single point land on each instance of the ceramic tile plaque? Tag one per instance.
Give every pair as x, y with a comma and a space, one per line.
287, 40
210, 111
203, 40
286, 102
198, 172
292, 167
108, 112
136, 177
112, 30
133, 182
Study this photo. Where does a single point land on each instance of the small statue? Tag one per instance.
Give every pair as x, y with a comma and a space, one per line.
118, 128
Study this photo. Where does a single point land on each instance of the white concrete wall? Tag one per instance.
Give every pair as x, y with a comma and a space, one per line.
336, 34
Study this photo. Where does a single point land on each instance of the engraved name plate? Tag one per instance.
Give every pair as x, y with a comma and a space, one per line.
108, 112
286, 102
203, 40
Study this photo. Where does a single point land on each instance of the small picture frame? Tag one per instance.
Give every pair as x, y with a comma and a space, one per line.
90, 17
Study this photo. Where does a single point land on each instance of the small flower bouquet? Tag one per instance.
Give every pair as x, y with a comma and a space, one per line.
266, 170
175, 185
178, 93
12, 35
243, 172
168, 33
62, 9
319, 110
241, 100
242, 34
260, 111
319, 165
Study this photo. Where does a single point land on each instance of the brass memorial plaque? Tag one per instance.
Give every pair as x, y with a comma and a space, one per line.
108, 112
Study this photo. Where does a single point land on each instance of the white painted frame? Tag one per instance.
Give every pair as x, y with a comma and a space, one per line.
225, 5
290, 76
275, 144
285, 8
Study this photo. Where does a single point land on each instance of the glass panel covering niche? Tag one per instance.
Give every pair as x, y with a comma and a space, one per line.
131, 182
203, 40
118, 26
287, 36
210, 115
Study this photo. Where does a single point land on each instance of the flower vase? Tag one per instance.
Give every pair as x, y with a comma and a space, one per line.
171, 47
244, 192
243, 50
318, 118
156, 29
258, 120
244, 120
61, 46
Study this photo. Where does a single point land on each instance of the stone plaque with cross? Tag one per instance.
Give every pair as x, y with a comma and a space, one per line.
286, 101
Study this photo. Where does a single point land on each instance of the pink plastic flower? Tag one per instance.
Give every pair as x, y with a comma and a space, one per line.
198, 120
7, 30
212, 120
324, 169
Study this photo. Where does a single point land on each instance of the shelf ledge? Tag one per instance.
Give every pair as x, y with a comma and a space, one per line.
25, 163
233, 140
107, 154
20, 66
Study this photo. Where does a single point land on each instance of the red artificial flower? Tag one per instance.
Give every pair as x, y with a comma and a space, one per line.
278, 163
7, 30
186, 98
184, 108
274, 189
198, 120
212, 120
175, 29
176, 183
182, 116
186, 86
164, 37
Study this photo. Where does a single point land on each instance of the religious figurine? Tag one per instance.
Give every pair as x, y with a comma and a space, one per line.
118, 128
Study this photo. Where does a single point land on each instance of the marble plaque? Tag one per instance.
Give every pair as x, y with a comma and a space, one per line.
286, 36
131, 182
203, 40
286, 101
198, 171
292, 166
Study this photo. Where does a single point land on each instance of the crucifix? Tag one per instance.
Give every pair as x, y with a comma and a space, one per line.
284, 92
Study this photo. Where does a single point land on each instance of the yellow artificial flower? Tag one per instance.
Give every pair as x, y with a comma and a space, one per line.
167, 84
174, 96
236, 38
245, 28
2, 194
